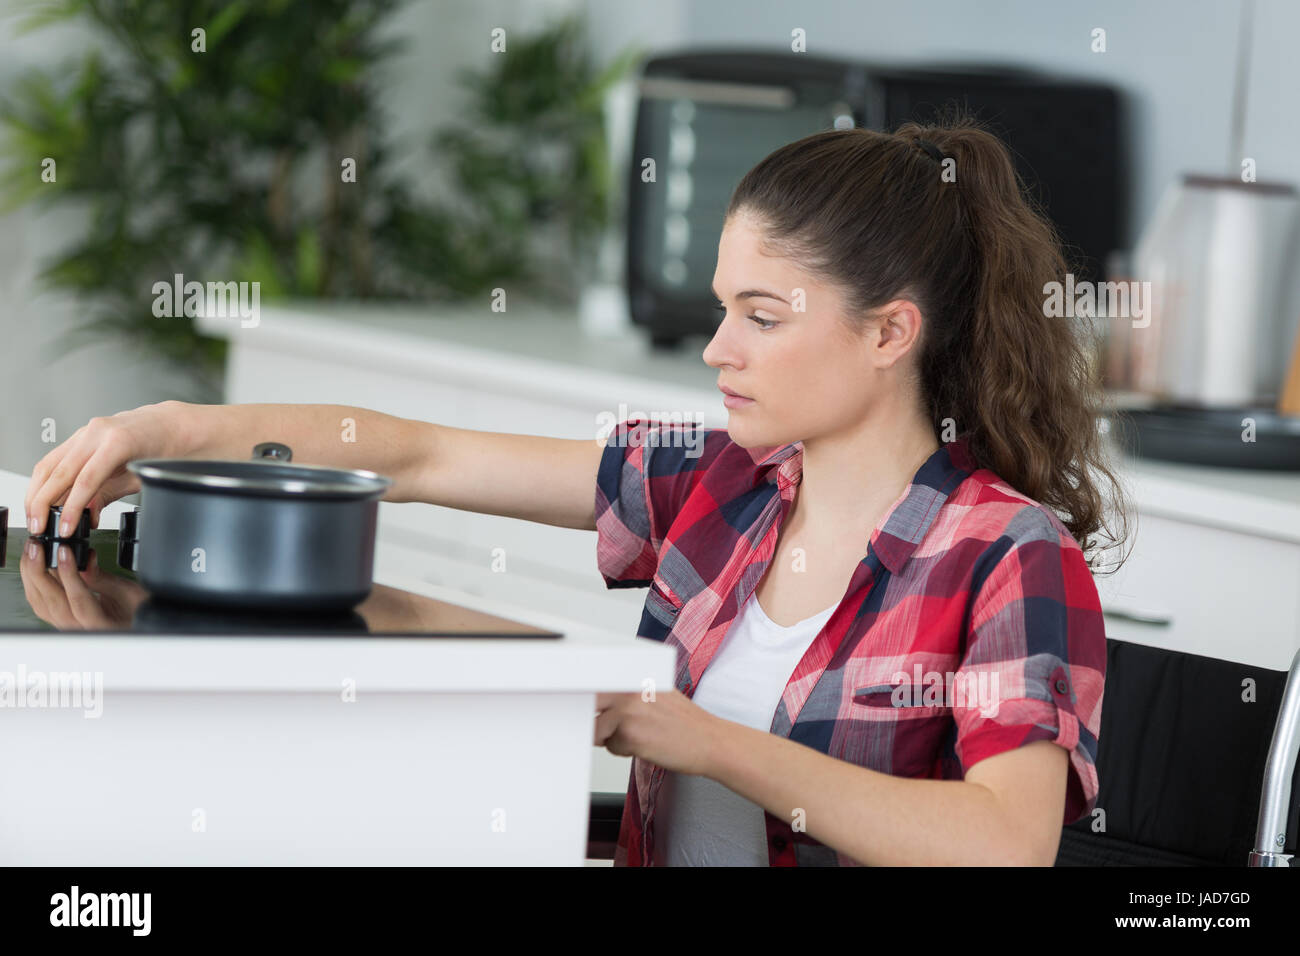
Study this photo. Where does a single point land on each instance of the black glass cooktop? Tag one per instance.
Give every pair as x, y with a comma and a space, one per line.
90, 593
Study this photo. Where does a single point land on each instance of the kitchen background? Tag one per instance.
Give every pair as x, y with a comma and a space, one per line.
1174, 62
566, 351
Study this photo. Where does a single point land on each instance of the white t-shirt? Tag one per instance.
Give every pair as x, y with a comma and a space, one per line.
698, 821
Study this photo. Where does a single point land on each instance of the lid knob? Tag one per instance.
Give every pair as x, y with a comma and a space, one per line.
273, 450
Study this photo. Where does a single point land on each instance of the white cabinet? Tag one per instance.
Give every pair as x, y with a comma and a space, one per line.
1204, 590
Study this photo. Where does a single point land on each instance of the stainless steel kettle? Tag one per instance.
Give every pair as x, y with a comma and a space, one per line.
1219, 254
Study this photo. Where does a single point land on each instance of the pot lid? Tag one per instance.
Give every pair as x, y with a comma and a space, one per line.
261, 477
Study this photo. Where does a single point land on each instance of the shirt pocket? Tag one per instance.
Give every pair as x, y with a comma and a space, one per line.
660, 613
903, 738
878, 702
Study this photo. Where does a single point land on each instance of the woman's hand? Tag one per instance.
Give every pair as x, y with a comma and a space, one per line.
671, 731
88, 470
73, 600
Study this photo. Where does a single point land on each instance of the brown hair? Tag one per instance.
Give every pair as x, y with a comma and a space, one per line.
872, 214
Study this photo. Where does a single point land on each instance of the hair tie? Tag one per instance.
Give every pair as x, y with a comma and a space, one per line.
930, 148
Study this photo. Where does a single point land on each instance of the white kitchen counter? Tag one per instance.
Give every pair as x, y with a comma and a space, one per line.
582, 660
245, 750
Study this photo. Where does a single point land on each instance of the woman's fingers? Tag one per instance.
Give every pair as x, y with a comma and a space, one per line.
118, 597
47, 598
86, 468
119, 486
94, 473
109, 585
36, 485
58, 478
81, 602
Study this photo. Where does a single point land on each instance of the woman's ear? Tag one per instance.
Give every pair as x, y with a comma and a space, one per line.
894, 331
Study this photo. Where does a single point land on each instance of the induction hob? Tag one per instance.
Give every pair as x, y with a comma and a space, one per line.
99, 596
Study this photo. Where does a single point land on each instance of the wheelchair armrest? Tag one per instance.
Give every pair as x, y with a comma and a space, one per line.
603, 823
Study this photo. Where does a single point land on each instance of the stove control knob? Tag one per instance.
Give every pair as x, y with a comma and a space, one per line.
128, 523
127, 539
79, 551
82, 530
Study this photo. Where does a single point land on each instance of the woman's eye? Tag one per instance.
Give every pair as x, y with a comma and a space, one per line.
763, 324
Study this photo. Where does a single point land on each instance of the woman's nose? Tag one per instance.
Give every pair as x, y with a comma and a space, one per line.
720, 351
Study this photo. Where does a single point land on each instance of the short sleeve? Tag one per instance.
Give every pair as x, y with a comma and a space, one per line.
647, 471
1034, 664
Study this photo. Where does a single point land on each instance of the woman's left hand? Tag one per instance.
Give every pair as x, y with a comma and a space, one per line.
671, 731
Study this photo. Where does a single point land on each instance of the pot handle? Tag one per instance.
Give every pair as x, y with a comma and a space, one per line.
273, 450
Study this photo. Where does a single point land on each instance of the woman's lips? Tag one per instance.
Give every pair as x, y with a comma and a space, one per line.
735, 401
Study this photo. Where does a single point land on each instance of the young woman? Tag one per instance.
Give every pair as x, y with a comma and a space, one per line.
890, 646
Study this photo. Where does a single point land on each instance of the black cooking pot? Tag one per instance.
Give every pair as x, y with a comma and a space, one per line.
260, 533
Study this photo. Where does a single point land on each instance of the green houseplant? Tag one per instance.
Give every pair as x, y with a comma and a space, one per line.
229, 162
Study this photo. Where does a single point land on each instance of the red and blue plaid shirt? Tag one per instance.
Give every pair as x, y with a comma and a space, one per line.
964, 578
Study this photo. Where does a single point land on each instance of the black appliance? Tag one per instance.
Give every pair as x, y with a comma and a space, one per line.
706, 117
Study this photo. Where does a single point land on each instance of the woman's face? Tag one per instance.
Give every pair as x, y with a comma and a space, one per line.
807, 374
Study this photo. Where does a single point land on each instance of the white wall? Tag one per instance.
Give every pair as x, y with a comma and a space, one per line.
1175, 58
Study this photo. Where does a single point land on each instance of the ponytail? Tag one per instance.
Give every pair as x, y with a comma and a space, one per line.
876, 213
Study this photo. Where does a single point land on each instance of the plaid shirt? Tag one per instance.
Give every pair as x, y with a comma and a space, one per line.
964, 581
